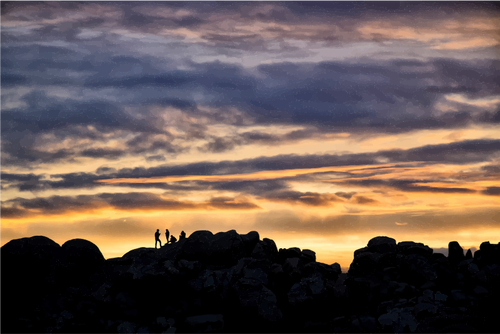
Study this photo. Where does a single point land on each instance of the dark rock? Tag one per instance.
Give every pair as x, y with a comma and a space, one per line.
250, 240
387, 260
363, 264
138, 252
455, 252
398, 321
307, 256
326, 271
197, 247
254, 295
204, 323
286, 253
292, 267
382, 245
468, 255
418, 270
410, 247
308, 288
30, 264
82, 253
252, 269
80, 259
358, 252
265, 249
234, 283
227, 248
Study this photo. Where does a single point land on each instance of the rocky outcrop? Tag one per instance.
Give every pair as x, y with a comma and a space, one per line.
228, 282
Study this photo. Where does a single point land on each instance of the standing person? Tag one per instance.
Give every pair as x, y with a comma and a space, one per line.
167, 234
157, 237
182, 236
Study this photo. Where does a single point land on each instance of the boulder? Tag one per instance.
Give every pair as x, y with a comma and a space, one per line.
286, 253
308, 255
197, 247
410, 247
398, 321
204, 323
29, 259
382, 245
265, 249
139, 252
254, 295
359, 251
171, 251
468, 255
455, 253
226, 248
308, 288
417, 270
250, 240
363, 264
83, 253
80, 259
293, 267
253, 269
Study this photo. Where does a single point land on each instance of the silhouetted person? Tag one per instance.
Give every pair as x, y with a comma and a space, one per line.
182, 236
167, 234
157, 237
173, 239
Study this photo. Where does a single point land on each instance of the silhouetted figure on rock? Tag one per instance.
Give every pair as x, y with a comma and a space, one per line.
173, 239
167, 234
182, 235
157, 237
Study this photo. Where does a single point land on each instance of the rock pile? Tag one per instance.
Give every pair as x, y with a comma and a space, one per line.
227, 282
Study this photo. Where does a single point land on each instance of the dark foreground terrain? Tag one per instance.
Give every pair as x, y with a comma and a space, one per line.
229, 282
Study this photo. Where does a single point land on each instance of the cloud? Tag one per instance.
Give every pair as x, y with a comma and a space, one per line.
364, 200
464, 152
408, 185
495, 191
345, 194
70, 92
305, 198
133, 201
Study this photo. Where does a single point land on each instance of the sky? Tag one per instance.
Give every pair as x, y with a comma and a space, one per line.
318, 124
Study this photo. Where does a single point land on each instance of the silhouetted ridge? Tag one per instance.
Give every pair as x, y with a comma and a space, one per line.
229, 282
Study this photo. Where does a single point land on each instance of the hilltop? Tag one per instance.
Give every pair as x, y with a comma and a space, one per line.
227, 282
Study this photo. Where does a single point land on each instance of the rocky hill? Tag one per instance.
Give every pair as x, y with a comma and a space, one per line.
227, 282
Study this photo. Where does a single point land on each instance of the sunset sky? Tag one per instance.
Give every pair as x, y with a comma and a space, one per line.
320, 125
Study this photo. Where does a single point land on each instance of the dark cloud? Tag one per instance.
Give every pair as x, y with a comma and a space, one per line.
230, 203
346, 195
491, 169
456, 153
158, 157
102, 153
364, 200
325, 97
12, 177
407, 185
464, 152
495, 191
330, 93
56, 205
306, 198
